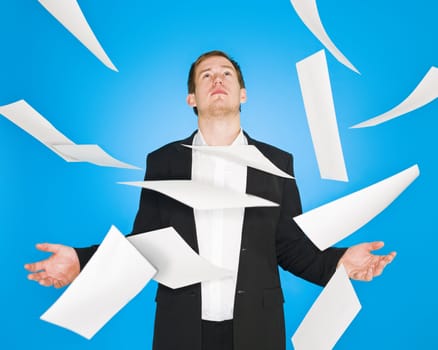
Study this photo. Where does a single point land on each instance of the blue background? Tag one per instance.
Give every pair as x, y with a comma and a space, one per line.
43, 198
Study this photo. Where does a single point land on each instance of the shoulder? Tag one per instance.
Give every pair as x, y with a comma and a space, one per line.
279, 157
266, 147
171, 149
275, 154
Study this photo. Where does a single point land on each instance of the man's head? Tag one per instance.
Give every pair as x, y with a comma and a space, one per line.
228, 63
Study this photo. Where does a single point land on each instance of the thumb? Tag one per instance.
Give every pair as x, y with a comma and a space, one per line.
48, 247
376, 245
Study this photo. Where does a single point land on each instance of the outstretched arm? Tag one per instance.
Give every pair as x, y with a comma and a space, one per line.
361, 264
59, 270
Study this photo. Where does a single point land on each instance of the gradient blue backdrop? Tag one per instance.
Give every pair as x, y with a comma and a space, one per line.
43, 198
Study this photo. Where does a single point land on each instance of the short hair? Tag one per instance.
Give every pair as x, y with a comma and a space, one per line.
191, 80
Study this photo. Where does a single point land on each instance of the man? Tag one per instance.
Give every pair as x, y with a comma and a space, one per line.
244, 312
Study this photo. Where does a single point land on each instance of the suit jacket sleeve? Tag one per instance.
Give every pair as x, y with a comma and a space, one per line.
147, 217
295, 252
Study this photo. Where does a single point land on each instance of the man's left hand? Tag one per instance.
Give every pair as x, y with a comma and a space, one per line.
361, 264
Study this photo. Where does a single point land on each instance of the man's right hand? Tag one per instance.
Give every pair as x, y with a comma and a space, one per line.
59, 270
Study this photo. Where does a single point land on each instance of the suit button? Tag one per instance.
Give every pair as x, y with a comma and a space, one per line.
240, 292
243, 249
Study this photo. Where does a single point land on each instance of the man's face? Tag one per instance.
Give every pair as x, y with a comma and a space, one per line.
217, 89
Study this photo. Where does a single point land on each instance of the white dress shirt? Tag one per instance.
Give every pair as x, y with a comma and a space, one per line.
219, 231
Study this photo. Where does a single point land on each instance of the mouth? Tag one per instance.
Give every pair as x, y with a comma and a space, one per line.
218, 92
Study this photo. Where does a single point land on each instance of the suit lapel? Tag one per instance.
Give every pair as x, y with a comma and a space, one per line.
260, 184
256, 180
181, 169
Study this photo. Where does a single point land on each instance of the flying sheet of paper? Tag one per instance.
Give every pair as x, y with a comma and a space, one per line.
425, 92
115, 274
178, 265
92, 154
69, 14
28, 119
328, 224
247, 155
308, 12
330, 315
202, 196
320, 110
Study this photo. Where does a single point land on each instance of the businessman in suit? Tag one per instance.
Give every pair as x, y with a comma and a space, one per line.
245, 311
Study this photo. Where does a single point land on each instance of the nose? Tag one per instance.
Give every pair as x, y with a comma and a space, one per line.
217, 79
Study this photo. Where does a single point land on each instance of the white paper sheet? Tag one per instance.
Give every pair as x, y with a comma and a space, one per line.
321, 116
247, 155
92, 154
115, 274
69, 14
425, 92
330, 315
308, 12
328, 224
178, 265
28, 119
202, 196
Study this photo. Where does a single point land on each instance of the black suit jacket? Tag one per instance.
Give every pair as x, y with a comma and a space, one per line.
269, 238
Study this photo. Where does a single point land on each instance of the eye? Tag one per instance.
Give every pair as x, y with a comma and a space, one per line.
227, 73
206, 76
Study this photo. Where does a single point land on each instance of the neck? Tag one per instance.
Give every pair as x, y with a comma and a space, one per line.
219, 131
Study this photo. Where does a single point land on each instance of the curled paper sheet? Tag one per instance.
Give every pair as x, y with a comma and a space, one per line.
308, 12
328, 224
247, 155
330, 315
202, 196
28, 119
115, 274
178, 265
92, 154
321, 116
425, 92
69, 14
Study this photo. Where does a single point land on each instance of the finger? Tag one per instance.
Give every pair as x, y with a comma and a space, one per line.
58, 284
38, 276
369, 274
46, 282
380, 267
384, 261
358, 275
37, 266
391, 256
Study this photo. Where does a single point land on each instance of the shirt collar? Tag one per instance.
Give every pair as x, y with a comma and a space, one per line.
199, 140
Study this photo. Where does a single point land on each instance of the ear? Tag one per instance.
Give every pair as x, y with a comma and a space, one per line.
191, 101
242, 95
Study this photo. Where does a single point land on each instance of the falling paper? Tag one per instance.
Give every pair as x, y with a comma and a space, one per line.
320, 110
424, 93
328, 224
69, 14
330, 315
28, 119
177, 264
201, 195
115, 274
91, 154
308, 12
247, 155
